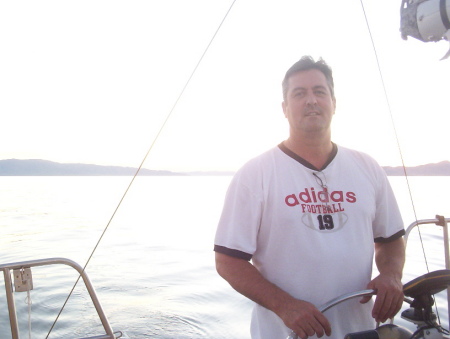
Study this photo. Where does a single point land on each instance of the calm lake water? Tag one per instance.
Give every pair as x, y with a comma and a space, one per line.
154, 268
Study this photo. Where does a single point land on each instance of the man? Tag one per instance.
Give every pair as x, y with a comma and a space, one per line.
307, 214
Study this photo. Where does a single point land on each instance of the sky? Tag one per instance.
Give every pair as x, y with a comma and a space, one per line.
94, 81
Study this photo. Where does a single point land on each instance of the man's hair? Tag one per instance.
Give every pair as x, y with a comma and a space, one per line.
307, 63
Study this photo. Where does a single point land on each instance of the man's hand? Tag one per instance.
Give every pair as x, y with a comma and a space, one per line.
389, 297
305, 319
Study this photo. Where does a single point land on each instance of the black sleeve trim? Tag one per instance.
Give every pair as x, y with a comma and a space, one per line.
391, 238
232, 253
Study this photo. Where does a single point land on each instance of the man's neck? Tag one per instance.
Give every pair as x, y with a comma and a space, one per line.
317, 153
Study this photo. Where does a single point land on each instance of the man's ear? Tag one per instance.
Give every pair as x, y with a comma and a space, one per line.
283, 106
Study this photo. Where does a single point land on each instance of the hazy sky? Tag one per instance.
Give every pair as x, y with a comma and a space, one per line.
92, 81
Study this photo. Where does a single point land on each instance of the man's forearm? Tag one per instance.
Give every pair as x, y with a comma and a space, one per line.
390, 257
300, 316
248, 281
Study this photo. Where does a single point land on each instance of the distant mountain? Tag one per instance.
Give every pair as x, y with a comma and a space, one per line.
15, 167
438, 169
36, 167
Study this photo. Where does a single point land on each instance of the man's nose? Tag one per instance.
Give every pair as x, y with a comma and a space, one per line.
311, 99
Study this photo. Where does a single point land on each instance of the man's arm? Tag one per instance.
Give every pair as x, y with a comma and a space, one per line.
390, 259
300, 316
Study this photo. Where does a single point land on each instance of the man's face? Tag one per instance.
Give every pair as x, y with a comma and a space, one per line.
309, 106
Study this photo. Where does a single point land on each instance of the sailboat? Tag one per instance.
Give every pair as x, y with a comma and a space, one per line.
429, 23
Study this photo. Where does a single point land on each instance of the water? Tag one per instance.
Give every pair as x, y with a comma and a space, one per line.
154, 268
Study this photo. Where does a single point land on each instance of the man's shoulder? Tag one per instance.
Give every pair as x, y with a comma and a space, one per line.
260, 166
263, 159
361, 160
357, 155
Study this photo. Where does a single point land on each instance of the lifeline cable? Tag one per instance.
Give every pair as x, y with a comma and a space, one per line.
143, 161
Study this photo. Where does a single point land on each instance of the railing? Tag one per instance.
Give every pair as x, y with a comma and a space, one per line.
7, 268
439, 221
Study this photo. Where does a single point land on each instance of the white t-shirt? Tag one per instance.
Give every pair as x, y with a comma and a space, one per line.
310, 232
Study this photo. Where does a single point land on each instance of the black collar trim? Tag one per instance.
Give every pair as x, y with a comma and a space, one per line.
304, 162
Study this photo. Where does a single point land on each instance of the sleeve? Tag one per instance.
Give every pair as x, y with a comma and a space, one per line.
388, 224
239, 223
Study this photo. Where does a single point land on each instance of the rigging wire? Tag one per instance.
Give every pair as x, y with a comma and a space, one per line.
144, 159
394, 127
397, 140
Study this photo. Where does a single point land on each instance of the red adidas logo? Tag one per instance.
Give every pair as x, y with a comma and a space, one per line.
309, 195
